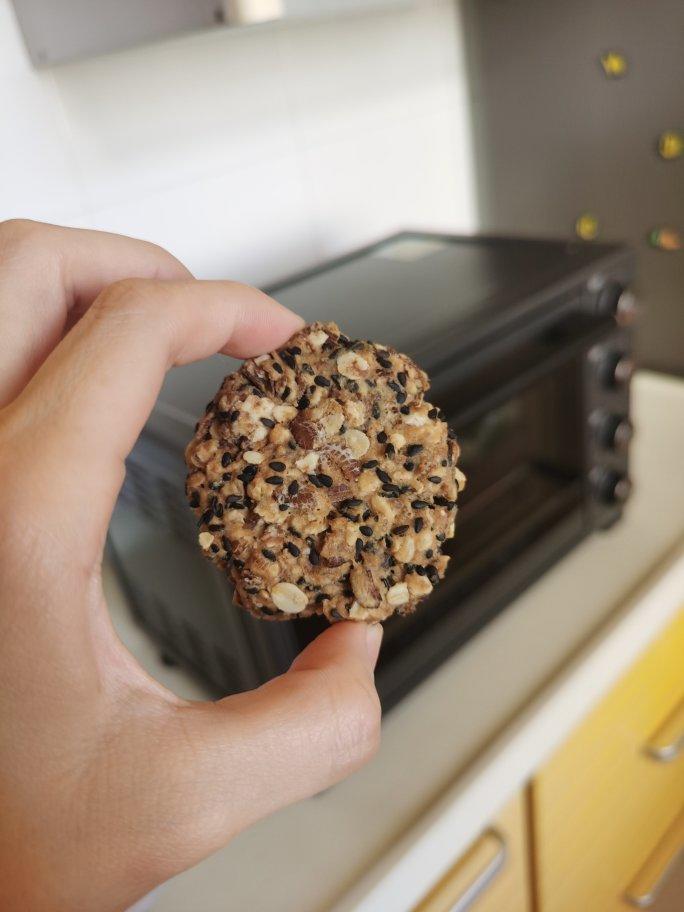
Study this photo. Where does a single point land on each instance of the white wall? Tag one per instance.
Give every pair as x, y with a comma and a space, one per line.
248, 154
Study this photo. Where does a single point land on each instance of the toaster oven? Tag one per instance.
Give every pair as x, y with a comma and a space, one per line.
527, 344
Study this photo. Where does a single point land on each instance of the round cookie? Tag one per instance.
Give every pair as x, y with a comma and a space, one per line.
323, 481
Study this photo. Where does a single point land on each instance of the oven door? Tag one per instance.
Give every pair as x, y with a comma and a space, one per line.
519, 417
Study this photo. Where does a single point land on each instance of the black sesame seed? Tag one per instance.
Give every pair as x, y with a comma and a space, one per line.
358, 547
394, 489
343, 429
405, 410
277, 466
441, 501
289, 360
278, 368
401, 398
214, 548
283, 506
225, 460
227, 476
268, 554
325, 480
369, 547
292, 488
389, 450
383, 476
371, 464
194, 499
384, 362
393, 385
409, 466
420, 504
314, 556
247, 474
227, 547
440, 536
216, 485
402, 378
321, 597
215, 527
223, 416
293, 549
274, 480
321, 381
429, 552
258, 392
375, 411
418, 523
350, 502
234, 415
413, 449
420, 570
238, 563
366, 530
400, 530
314, 480
252, 590
285, 393
435, 479
291, 445
218, 510
307, 369
267, 422
206, 517
433, 413
295, 350
303, 403
367, 515
382, 437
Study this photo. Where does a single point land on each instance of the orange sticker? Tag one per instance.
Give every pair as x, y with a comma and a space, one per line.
614, 64
668, 239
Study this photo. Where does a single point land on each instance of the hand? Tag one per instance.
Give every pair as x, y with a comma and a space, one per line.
109, 784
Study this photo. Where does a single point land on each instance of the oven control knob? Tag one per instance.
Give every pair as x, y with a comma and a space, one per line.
613, 432
610, 487
612, 367
617, 301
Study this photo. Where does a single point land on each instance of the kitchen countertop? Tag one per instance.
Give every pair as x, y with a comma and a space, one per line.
460, 744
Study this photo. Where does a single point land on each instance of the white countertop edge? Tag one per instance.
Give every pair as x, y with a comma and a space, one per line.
417, 861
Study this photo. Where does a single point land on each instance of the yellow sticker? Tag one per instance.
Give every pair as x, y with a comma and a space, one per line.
668, 239
587, 227
671, 145
614, 64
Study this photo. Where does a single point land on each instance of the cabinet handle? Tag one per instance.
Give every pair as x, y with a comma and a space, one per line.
644, 889
470, 876
668, 742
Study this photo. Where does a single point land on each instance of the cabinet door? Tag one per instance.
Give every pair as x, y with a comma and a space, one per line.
492, 875
608, 796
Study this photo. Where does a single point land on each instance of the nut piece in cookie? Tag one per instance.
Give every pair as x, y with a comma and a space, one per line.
323, 482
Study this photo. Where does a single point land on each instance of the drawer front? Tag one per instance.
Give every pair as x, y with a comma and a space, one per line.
493, 874
607, 797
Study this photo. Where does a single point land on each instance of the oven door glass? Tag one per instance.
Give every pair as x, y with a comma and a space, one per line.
523, 458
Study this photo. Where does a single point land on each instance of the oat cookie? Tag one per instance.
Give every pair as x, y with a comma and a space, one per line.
323, 481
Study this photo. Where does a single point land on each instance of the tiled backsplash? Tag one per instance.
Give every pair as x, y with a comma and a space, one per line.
248, 154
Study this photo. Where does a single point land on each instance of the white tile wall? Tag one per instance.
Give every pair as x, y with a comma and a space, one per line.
248, 154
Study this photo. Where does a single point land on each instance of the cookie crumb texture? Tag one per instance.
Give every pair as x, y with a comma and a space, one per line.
323, 481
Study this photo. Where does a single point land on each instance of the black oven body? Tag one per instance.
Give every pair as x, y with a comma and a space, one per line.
527, 344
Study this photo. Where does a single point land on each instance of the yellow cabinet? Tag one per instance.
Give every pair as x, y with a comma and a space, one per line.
492, 875
612, 793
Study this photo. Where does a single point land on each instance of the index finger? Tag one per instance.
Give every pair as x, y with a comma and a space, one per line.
49, 276
89, 401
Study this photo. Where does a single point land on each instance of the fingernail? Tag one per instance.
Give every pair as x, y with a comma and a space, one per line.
373, 640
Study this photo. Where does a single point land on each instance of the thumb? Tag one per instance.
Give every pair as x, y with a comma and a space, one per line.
247, 755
